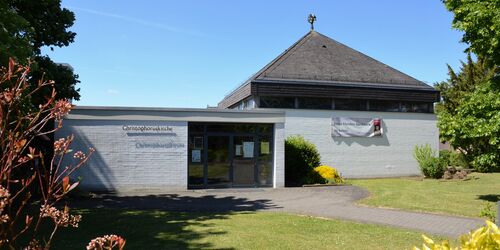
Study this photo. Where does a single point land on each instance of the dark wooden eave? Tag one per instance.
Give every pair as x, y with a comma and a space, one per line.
344, 92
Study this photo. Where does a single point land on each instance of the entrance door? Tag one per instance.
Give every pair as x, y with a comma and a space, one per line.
244, 161
218, 161
230, 155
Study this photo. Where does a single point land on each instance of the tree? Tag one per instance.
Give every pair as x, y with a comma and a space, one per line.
471, 74
470, 121
469, 113
480, 22
26, 26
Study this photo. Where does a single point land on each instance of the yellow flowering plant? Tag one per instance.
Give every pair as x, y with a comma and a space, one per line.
487, 237
329, 173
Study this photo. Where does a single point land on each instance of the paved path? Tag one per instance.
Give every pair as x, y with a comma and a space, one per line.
329, 202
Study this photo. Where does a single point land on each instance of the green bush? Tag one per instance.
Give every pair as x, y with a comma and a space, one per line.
453, 158
301, 157
430, 165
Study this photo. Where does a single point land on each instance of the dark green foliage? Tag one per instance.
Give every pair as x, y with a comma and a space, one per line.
28, 25
471, 74
314, 177
48, 20
64, 80
453, 158
14, 38
468, 115
301, 157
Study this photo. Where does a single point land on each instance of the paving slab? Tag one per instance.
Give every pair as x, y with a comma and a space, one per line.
337, 202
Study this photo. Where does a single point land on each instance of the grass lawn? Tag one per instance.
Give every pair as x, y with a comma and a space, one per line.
465, 198
150, 229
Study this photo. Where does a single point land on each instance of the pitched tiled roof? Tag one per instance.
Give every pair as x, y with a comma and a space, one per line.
320, 58
316, 59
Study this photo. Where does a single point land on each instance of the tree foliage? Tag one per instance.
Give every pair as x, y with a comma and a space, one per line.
480, 22
26, 26
471, 74
474, 127
469, 114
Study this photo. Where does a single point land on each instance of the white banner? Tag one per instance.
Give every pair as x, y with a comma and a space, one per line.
356, 127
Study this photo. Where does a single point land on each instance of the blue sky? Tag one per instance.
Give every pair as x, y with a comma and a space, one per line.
191, 53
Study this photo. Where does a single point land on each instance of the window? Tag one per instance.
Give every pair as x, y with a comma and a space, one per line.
417, 107
315, 103
378, 105
350, 104
277, 102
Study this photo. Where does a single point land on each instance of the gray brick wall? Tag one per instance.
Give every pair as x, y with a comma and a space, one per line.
279, 155
389, 155
130, 160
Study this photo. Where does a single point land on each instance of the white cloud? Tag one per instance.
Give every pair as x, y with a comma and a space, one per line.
138, 21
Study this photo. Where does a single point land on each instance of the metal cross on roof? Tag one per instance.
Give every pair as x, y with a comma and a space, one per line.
311, 20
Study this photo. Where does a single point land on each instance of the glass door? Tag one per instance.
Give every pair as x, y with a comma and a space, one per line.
218, 161
243, 161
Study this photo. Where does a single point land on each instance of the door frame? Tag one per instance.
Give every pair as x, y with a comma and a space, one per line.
256, 138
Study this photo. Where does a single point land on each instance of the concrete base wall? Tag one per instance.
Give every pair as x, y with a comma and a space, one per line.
360, 157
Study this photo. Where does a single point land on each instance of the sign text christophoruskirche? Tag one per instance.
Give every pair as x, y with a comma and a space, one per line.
142, 128
153, 137
356, 127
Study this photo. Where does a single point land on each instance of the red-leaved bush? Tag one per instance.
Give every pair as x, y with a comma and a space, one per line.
30, 188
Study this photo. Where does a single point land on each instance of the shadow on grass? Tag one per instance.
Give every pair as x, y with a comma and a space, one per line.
489, 197
175, 202
154, 222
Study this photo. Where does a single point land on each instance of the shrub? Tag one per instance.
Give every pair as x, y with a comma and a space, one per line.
301, 157
487, 237
32, 190
453, 158
488, 212
330, 174
430, 165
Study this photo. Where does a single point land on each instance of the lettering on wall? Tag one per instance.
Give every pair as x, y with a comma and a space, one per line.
356, 127
153, 137
140, 128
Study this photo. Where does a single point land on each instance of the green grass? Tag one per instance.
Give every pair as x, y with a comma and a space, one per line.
465, 198
150, 229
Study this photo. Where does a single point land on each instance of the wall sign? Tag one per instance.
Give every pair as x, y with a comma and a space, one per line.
140, 128
356, 127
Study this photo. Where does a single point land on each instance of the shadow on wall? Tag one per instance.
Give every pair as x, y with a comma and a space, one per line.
94, 175
365, 141
169, 221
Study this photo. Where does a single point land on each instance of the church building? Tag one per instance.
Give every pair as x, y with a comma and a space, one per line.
364, 117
